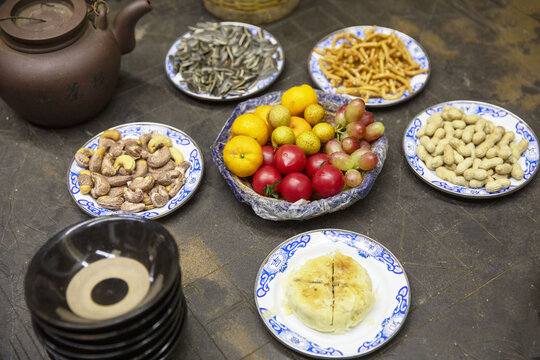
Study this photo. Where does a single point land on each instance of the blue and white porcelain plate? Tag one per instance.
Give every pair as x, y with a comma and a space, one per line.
180, 140
418, 54
257, 87
500, 117
390, 286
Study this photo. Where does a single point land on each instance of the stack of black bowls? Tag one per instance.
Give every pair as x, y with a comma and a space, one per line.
107, 288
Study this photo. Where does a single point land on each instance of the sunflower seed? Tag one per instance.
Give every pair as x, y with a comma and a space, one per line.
223, 60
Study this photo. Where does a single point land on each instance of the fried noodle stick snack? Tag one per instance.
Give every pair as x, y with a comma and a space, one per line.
379, 65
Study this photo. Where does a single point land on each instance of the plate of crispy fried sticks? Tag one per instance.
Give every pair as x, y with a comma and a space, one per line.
379, 64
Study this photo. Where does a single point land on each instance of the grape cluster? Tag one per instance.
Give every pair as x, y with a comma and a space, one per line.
350, 151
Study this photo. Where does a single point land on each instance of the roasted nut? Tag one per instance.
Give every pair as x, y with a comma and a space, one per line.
144, 139
126, 162
144, 183
111, 134
101, 185
133, 196
167, 177
82, 157
133, 148
119, 180
159, 158
176, 155
450, 113
85, 181
183, 167
117, 191
159, 141
176, 185
131, 208
159, 196
141, 168
170, 165
95, 161
105, 143
117, 148
110, 202
107, 168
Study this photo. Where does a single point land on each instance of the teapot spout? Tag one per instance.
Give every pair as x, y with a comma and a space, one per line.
123, 26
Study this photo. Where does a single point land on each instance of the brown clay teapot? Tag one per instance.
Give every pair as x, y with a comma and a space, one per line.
60, 59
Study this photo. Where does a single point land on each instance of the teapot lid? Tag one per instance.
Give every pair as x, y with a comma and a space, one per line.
42, 22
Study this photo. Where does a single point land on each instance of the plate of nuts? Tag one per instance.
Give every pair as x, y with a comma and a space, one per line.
471, 149
224, 61
145, 169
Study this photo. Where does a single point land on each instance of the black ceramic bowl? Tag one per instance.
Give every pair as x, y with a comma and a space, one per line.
156, 349
147, 340
64, 255
129, 333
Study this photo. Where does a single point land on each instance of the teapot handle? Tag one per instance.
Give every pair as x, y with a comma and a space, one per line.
98, 13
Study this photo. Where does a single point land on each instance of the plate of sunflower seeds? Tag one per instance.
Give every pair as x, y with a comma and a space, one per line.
224, 61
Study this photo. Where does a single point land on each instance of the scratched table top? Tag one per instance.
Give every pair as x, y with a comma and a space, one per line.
473, 264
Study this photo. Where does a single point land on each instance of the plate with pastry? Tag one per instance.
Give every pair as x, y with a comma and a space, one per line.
332, 293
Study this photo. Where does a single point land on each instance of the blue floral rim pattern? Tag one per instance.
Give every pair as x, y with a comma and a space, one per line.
133, 130
419, 55
496, 113
259, 86
272, 209
277, 262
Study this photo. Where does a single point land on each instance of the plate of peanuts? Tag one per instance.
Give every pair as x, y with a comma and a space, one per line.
146, 169
471, 149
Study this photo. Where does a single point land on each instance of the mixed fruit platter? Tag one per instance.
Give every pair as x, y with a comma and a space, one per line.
293, 150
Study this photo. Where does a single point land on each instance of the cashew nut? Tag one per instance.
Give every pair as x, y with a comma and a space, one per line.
144, 139
167, 177
159, 141
101, 185
117, 191
111, 134
133, 196
125, 161
95, 161
131, 208
159, 196
141, 168
82, 157
110, 202
176, 155
168, 166
105, 143
133, 148
117, 148
144, 183
85, 181
119, 180
176, 185
159, 158
107, 167
183, 167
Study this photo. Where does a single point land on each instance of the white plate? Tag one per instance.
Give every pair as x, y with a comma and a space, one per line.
417, 52
500, 117
181, 141
258, 86
390, 286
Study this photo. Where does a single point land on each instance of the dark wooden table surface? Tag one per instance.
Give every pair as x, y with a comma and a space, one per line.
473, 265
